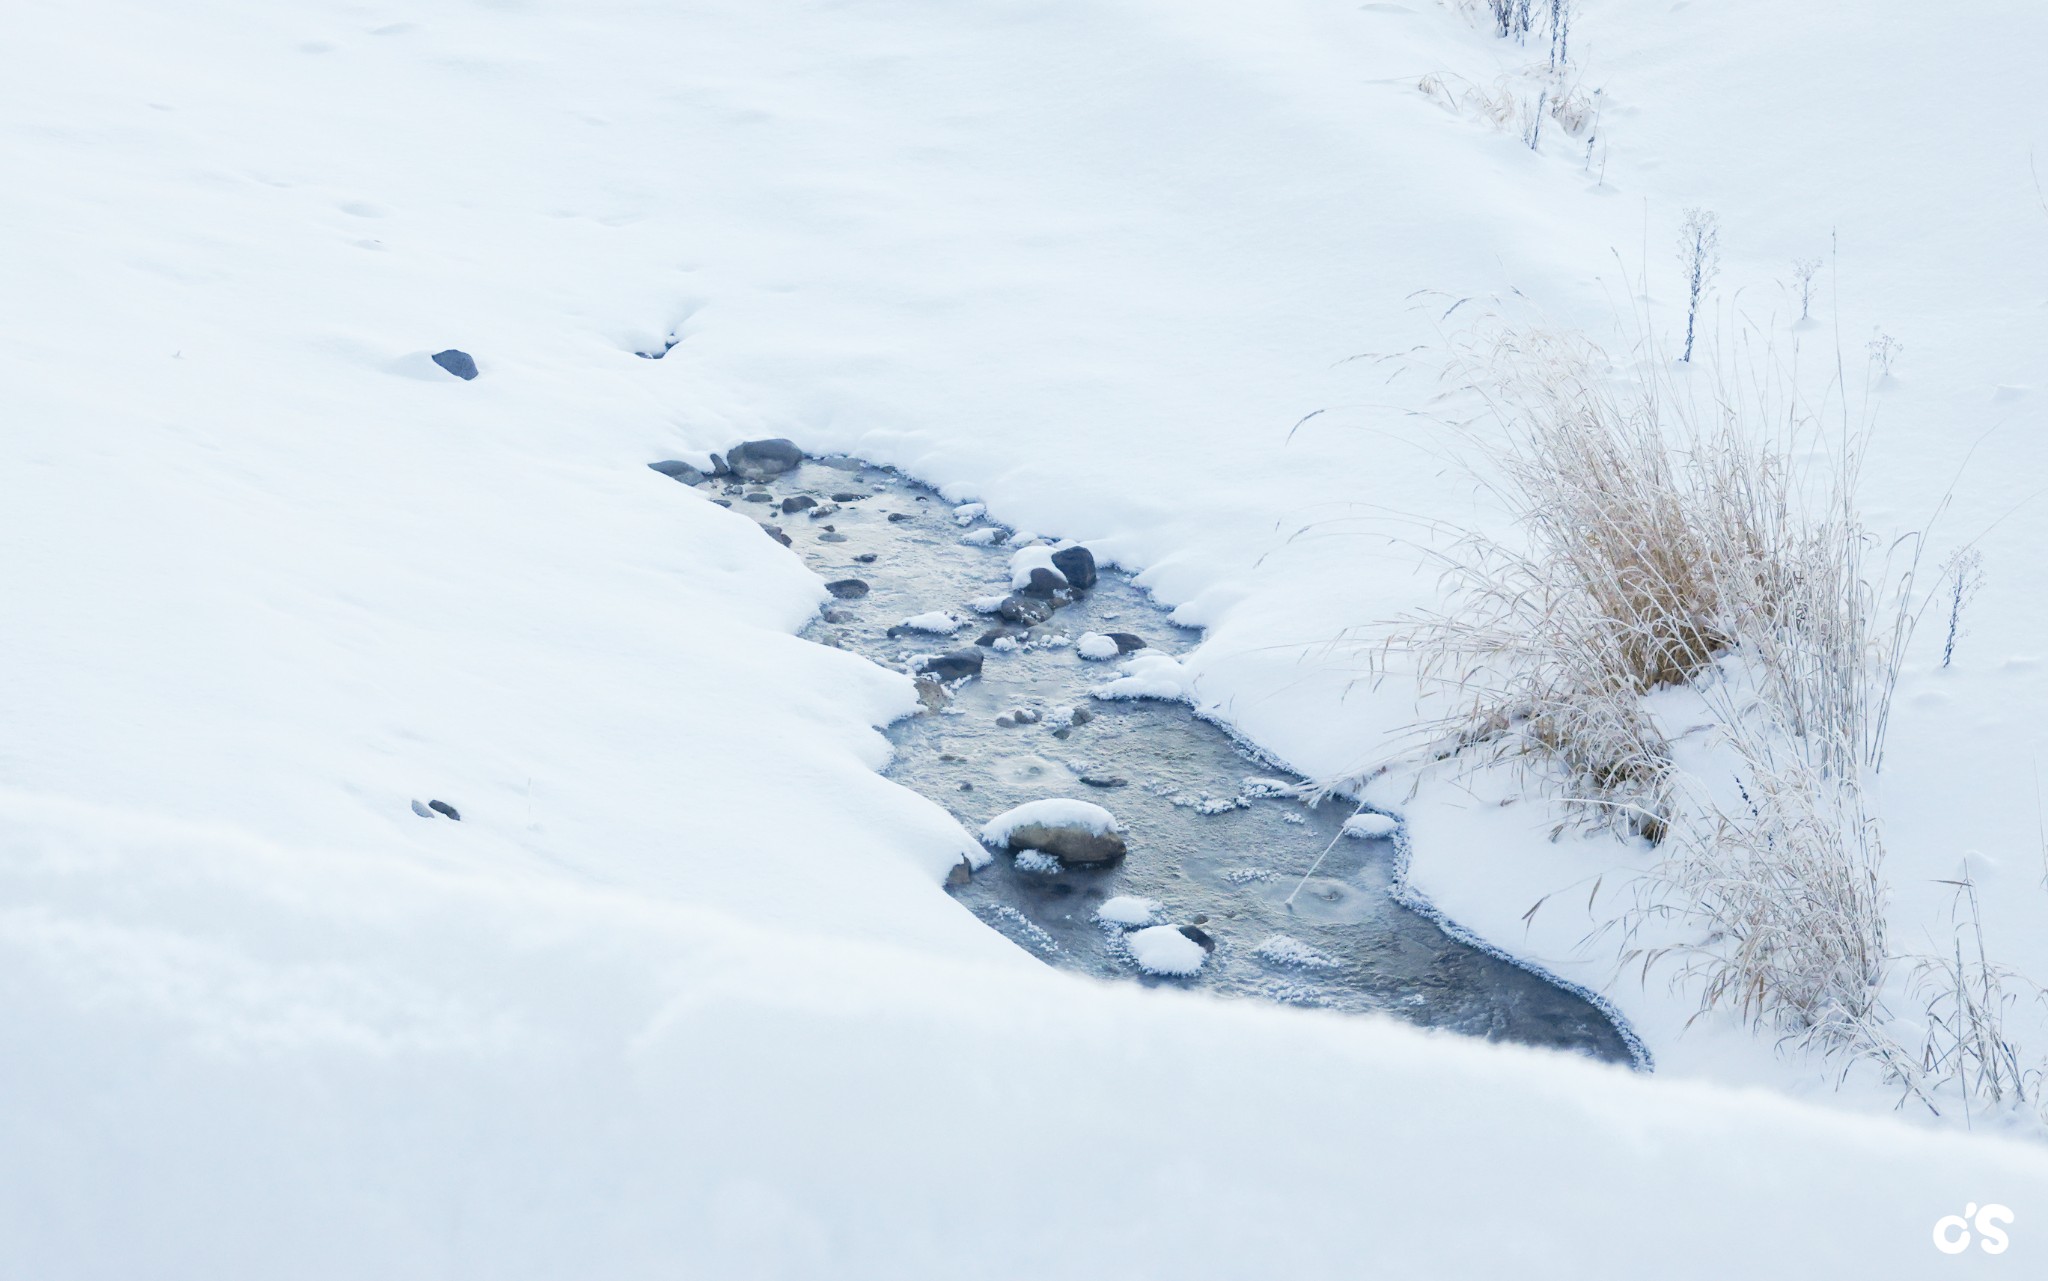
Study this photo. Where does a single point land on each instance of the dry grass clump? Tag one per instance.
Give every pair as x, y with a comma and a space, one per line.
1659, 542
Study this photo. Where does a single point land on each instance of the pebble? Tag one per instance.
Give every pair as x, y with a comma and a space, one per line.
866, 558
847, 588
459, 363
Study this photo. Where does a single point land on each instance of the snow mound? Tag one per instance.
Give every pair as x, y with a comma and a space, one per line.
938, 623
1096, 647
1163, 949
1148, 676
968, 513
1129, 910
986, 536
1052, 812
1038, 861
986, 604
1371, 826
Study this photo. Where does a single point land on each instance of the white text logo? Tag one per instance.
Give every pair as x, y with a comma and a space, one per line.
1952, 1231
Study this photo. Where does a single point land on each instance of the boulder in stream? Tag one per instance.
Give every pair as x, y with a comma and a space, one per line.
1078, 564
760, 459
1078, 833
952, 665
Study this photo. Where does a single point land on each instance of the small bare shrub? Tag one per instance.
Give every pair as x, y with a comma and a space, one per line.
1965, 999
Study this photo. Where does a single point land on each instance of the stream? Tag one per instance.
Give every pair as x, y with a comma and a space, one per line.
1219, 840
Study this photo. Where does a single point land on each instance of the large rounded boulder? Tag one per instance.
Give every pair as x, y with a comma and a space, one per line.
1078, 833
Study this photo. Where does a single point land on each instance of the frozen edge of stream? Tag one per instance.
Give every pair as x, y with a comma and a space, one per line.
1401, 892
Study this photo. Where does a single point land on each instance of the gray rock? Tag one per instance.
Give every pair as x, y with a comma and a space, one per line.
829, 537
897, 518
791, 506
758, 498
1200, 936
834, 614
456, 362
1075, 846
865, 558
959, 874
676, 469
996, 633
1125, 642
775, 532
443, 807
1026, 610
1105, 780
1044, 584
760, 459
718, 467
847, 496
1080, 716
1078, 564
951, 665
847, 588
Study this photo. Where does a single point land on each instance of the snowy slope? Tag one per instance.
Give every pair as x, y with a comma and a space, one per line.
681, 995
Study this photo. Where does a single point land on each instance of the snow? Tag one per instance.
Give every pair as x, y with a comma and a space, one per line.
1370, 826
1026, 559
1128, 910
1039, 862
1148, 674
1057, 811
968, 513
986, 536
1095, 647
682, 993
1285, 949
937, 622
987, 604
1163, 949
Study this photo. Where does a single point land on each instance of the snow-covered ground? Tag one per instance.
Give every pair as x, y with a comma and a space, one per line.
680, 994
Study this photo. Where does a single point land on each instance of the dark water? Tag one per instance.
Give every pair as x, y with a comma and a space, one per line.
1214, 839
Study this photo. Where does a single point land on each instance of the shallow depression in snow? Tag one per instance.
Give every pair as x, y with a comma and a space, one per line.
1210, 844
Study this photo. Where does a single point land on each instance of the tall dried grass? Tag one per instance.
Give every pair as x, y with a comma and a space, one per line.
1664, 539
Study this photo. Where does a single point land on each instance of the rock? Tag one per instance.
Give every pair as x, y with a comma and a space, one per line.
829, 537
676, 469
758, 497
1025, 610
959, 875
422, 810
834, 614
1105, 780
897, 518
1006, 721
1078, 564
824, 510
775, 532
931, 693
1026, 715
847, 588
443, 807
456, 362
996, 633
952, 665
1198, 936
865, 558
718, 466
792, 505
1081, 716
1075, 846
760, 459
847, 496
723, 502
1044, 585
1125, 642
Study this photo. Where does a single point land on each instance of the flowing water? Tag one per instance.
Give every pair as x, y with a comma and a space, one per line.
1215, 838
